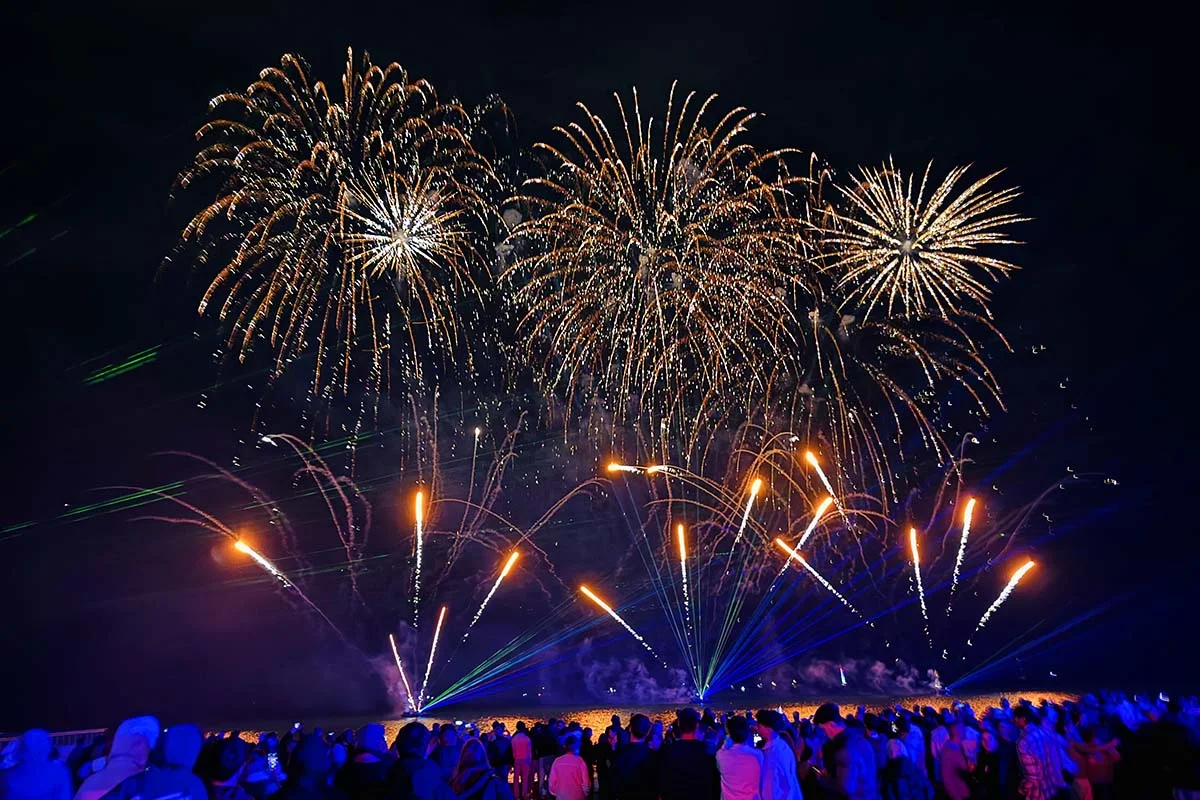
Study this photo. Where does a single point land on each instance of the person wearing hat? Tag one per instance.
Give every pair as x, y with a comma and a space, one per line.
848, 756
779, 780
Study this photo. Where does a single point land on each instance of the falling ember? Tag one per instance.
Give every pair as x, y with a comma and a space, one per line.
812, 526
408, 695
420, 535
271, 569
754, 490
609, 610
962, 550
512, 559
1012, 584
916, 559
792, 554
437, 632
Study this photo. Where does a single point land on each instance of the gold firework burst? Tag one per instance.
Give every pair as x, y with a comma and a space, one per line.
658, 265
919, 254
339, 220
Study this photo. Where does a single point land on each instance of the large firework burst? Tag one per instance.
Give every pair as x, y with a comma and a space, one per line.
914, 255
658, 266
340, 223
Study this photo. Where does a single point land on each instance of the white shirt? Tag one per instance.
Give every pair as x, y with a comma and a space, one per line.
779, 772
741, 772
569, 778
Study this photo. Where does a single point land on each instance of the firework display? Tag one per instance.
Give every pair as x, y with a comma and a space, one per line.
730, 381
659, 266
344, 228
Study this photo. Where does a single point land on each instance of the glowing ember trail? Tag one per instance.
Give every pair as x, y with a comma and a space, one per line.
792, 554
812, 526
687, 603
437, 632
420, 514
615, 467
512, 559
609, 610
271, 569
1012, 584
962, 551
812, 462
916, 559
754, 490
408, 695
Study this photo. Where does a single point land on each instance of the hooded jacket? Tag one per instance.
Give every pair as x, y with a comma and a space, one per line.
134, 739
170, 775
35, 776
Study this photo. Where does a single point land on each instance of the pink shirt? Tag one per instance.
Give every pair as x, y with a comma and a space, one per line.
569, 778
522, 747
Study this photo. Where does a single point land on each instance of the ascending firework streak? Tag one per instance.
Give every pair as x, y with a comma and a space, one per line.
615, 467
812, 461
1012, 584
754, 489
271, 569
408, 695
592, 596
962, 551
432, 651
420, 512
687, 603
503, 573
792, 554
916, 559
812, 526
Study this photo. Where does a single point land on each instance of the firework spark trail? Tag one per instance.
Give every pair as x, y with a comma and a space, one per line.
503, 573
792, 554
683, 571
609, 610
916, 561
1012, 584
812, 526
615, 467
815, 464
754, 490
962, 551
408, 695
437, 632
274, 571
420, 536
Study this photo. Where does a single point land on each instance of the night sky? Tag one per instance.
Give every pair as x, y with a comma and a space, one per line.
106, 616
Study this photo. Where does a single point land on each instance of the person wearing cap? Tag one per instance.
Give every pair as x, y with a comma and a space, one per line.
741, 764
849, 758
689, 770
779, 780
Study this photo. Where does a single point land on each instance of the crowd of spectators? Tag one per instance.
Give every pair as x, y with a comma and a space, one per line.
1107, 747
